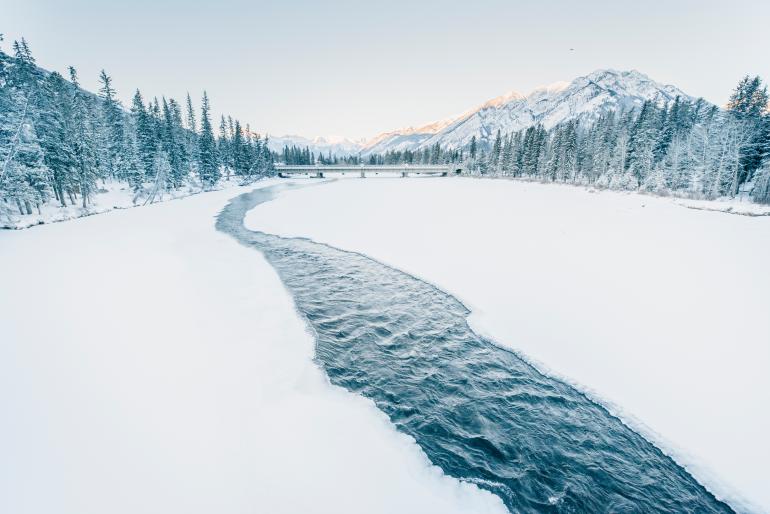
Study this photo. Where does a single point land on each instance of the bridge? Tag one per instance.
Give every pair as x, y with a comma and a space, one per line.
363, 170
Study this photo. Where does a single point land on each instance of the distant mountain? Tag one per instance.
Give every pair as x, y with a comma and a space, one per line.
318, 145
405, 139
585, 98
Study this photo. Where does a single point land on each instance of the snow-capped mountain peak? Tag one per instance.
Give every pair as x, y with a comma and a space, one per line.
584, 98
555, 87
502, 99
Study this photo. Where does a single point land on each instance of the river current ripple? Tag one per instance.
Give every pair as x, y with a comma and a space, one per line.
478, 411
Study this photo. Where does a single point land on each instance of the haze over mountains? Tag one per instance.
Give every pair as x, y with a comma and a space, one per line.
585, 98
319, 145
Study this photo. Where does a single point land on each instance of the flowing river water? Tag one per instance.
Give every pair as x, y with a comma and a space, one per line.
478, 411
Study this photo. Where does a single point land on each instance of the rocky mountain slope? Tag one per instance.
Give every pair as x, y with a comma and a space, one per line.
585, 98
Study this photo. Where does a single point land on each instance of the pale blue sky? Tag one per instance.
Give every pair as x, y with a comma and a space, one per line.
358, 68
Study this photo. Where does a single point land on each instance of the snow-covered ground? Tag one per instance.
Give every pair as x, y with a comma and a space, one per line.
742, 206
112, 195
659, 311
151, 364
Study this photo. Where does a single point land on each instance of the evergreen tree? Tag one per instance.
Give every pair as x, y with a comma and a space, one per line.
131, 166
642, 140
57, 140
497, 149
569, 152
226, 155
208, 166
761, 191
83, 137
25, 180
54, 123
191, 135
173, 146
239, 151
748, 104
22, 76
146, 139
113, 124
15, 121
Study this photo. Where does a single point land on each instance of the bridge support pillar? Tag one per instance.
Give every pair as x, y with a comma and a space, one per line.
319, 174
404, 174
363, 174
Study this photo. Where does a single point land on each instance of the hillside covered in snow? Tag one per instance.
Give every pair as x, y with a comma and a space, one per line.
585, 99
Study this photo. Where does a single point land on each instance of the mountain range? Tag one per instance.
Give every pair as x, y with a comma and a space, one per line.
585, 98
319, 145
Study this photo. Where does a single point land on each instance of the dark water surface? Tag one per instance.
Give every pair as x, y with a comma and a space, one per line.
478, 411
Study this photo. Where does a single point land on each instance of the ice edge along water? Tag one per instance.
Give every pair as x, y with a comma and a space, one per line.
686, 459
205, 399
588, 395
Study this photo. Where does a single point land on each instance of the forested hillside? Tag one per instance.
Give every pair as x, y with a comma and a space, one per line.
683, 147
62, 146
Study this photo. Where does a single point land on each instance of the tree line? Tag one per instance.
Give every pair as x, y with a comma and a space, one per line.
60, 144
685, 148
304, 156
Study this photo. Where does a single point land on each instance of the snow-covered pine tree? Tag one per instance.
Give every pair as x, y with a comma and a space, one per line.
113, 126
239, 151
173, 144
83, 137
129, 163
25, 180
669, 124
266, 165
642, 140
497, 148
146, 140
761, 191
554, 154
57, 140
54, 125
506, 158
748, 104
569, 148
226, 157
168, 145
191, 135
208, 165
162, 168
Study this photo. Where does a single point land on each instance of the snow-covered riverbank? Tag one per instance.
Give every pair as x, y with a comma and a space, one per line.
112, 195
151, 364
656, 309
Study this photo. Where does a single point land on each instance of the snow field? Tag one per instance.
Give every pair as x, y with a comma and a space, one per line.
151, 364
657, 310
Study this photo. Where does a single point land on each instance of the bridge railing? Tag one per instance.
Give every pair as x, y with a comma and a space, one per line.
353, 167
319, 170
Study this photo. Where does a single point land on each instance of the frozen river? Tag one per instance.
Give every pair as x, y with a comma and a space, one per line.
477, 410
